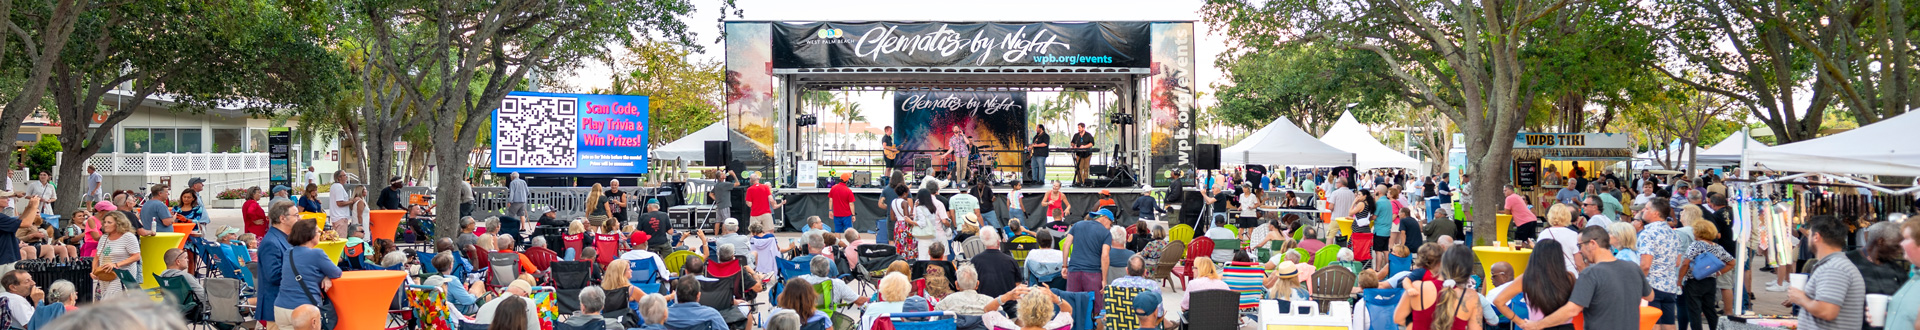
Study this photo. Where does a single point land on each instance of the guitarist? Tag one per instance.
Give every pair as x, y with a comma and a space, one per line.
889, 152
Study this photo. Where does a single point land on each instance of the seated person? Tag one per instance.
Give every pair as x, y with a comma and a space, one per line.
1047, 252
653, 312
461, 296
519, 289
1038, 309
591, 301
177, 260
842, 293
687, 312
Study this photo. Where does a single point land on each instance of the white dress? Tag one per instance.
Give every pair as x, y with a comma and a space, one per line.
113, 251
930, 222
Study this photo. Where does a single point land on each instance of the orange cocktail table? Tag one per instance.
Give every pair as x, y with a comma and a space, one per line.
384, 223
360, 298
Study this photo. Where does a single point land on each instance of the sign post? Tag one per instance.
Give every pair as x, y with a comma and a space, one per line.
279, 156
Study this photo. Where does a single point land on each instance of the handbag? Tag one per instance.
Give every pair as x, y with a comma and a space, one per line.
329, 319
105, 274
1705, 265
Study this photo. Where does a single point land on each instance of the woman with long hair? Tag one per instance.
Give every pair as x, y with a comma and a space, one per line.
118, 249
1545, 290
310, 199
1423, 288
1459, 305
620, 292
596, 208
190, 207
507, 320
802, 303
1205, 277
929, 221
901, 236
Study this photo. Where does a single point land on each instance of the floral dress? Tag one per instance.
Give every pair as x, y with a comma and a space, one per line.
903, 242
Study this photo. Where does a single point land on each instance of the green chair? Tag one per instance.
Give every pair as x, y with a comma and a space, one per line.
1234, 229
1327, 255
1182, 233
179, 292
677, 259
825, 291
128, 279
1299, 235
1305, 256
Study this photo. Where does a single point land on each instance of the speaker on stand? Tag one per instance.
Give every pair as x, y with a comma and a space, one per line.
717, 152
1208, 158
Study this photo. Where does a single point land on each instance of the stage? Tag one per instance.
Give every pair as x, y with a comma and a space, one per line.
804, 202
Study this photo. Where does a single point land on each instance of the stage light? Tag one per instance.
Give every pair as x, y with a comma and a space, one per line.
1120, 118
806, 120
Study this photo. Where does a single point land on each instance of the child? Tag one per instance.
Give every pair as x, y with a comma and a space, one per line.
1377, 301
1398, 259
765, 249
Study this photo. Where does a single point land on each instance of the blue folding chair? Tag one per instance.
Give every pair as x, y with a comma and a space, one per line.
426, 263
938, 320
646, 275
240, 252
1083, 307
790, 269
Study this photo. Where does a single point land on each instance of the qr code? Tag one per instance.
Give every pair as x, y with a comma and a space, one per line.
537, 132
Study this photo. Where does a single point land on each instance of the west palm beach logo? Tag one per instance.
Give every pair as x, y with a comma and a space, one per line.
829, 33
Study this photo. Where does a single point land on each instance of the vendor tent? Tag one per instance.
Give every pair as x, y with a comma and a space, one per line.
1347, 134
1877, 149
692, 147
1673, 153
1727, 152
1282, 143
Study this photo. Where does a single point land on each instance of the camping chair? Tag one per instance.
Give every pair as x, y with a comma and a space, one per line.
1273, 248
1361, 243
1118, 309
430, 308
1019, 246
1327, 255
1170, 256
1223, 249
426, 263
644, 276
676, 260
503, 268
938, 320
1038, 272
790, 269
569, 277
544, 305
827, 304
1245, 278
874, 258
1332, 284
1213, 309
129, 280
223, 302
1083, 307
1397, 264
719, 294
1181, 232
179, 292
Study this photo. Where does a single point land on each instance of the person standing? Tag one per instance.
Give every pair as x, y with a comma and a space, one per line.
155, 214
1084, 142
1087, 271
1037, 162
1526, 225
390, 195
311, 178
1595, 218
308, 272
340, 201
1660, 253
42, 187
760, 202
658, 227
273, 255
517, 196
93, 185
958, 144
722, 194
1609, 289
1342, 200
616, 201
843, 207
465, 197
1834, 296
9, 244
889, 152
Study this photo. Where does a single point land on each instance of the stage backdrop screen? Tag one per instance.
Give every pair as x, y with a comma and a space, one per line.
924, 120
553, 133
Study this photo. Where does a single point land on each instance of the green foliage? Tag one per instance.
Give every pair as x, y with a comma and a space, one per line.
683, 95
40, 157
1308, 84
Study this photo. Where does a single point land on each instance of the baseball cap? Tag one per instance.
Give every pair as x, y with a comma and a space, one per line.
914, 304
104, 206
1102, 212
1146, 303
195, 180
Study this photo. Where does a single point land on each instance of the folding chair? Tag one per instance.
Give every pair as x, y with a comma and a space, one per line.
179, 292
791, 269
569, 277
223, 301
1213, 309
426, 263
1223, 249
1118, 312
645, 276
937, 320
503, 268
430, 308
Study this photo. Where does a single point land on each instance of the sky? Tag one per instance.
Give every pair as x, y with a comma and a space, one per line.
877, 105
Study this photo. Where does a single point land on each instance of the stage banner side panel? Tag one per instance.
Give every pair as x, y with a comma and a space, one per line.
959, 44
926, 120
1170, 100
750, 96
556, 133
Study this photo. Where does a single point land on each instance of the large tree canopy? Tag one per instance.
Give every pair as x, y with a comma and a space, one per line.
1310, 84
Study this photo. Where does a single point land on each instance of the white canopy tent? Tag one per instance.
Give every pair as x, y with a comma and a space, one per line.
1282, 143
1727, 152
1347, 134
692, 147
1651, 159
1877, 149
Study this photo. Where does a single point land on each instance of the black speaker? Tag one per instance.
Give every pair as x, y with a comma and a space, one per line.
717, 152
1209, 158
1098, 170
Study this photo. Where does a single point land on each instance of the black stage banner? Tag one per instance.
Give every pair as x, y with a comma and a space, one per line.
967, 44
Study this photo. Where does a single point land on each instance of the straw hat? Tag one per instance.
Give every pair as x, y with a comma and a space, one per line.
1286, 269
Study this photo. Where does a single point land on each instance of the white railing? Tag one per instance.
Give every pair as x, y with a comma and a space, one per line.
174, 164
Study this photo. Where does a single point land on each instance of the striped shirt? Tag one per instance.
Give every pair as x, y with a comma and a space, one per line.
517, 191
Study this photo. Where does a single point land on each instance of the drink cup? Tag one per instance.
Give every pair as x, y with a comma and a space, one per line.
1877, 309
1797, 281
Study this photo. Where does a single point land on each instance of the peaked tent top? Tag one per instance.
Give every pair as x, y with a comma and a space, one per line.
1283, 143
1347, 134
692, 147
1876, 149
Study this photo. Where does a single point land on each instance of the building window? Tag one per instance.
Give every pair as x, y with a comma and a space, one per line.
257, 140
163, 140
138, 140
228, 140
189, 141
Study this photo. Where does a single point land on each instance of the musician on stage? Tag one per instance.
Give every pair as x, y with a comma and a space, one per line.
888, 153
957, 149
1084, 142
1038, 160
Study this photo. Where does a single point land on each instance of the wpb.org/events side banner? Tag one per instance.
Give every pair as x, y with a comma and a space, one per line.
925, 120
552, 133
1170, 100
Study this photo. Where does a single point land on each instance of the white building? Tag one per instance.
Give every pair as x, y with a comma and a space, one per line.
222, 145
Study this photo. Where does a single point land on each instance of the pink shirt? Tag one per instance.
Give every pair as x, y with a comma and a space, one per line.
1521, 214
1201, 283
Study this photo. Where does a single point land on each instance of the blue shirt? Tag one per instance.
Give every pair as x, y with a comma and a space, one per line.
273, 255
1382, 217
8, 225
1118, 257
691, 314
1089, 237
312, 264
309, 204
458, 295
517, 193
155, 213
